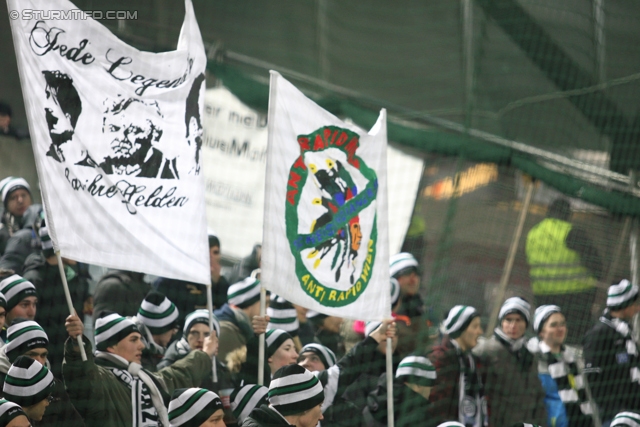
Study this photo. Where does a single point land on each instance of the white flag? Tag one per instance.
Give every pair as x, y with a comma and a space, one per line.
116, 134
325, 227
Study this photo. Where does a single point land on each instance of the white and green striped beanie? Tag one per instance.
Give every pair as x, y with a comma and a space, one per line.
22, 336
111, 328
417, 370
27, 382
621, 295
200, 316
157, 313
10, 184
15, 289
631, 419
294, 390
401, 264
451, 424
45, 240
246, 398
516, 305
192, 407
458, 320
327, 357
282, 315
274, 338
244, 293
395, 292
542, 314
9, 411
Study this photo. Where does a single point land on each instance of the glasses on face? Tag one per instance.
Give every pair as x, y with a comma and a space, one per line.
198, 334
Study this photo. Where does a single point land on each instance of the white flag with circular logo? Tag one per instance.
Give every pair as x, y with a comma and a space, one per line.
325, 243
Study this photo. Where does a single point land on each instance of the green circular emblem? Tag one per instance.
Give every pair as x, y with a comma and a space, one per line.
331, 216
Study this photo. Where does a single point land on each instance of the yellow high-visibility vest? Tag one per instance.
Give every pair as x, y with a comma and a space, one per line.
554, 268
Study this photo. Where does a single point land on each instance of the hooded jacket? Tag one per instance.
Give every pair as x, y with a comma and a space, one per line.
264, 416
104, 401
235, 327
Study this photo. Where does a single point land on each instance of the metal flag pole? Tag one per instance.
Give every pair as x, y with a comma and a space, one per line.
214, 370
67, 294
390, 420
261, 339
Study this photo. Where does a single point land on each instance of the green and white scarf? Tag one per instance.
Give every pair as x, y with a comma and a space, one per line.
472, 405
146, 400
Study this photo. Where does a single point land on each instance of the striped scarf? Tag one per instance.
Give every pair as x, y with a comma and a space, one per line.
564, 371
624, 329
472, 405
146, 399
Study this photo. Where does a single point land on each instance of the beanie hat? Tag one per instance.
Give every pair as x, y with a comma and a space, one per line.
3, 301
246, 398
27, 382
516, 305
45, 240
244, 293
191, 407
294, 390
15, 289
9, 411
22, 336
401, 264
157, 313
542, 314
316, 318
395, 292
12, 183
283, 315
200, 316
631, 419
621, 295
111, 328
327, 357
417, 370
451, 424
274, 338
458, 320
370, 327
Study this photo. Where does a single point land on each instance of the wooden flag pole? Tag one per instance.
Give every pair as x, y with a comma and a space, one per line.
390, 420
506, 272
214, 370
67, 294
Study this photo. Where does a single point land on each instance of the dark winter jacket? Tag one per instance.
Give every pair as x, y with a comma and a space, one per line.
104, 401
121, 292
610, 364
179, 349
409, 408
512, 386
52, 303
9, 226
189, 297
235, 327
264, 417
245, 267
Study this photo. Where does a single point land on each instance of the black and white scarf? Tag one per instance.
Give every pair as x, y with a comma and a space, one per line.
146, 398
516, 347
563, 369
472, 405
631, 346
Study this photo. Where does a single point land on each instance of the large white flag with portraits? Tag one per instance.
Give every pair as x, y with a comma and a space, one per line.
117, 138
325, 219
